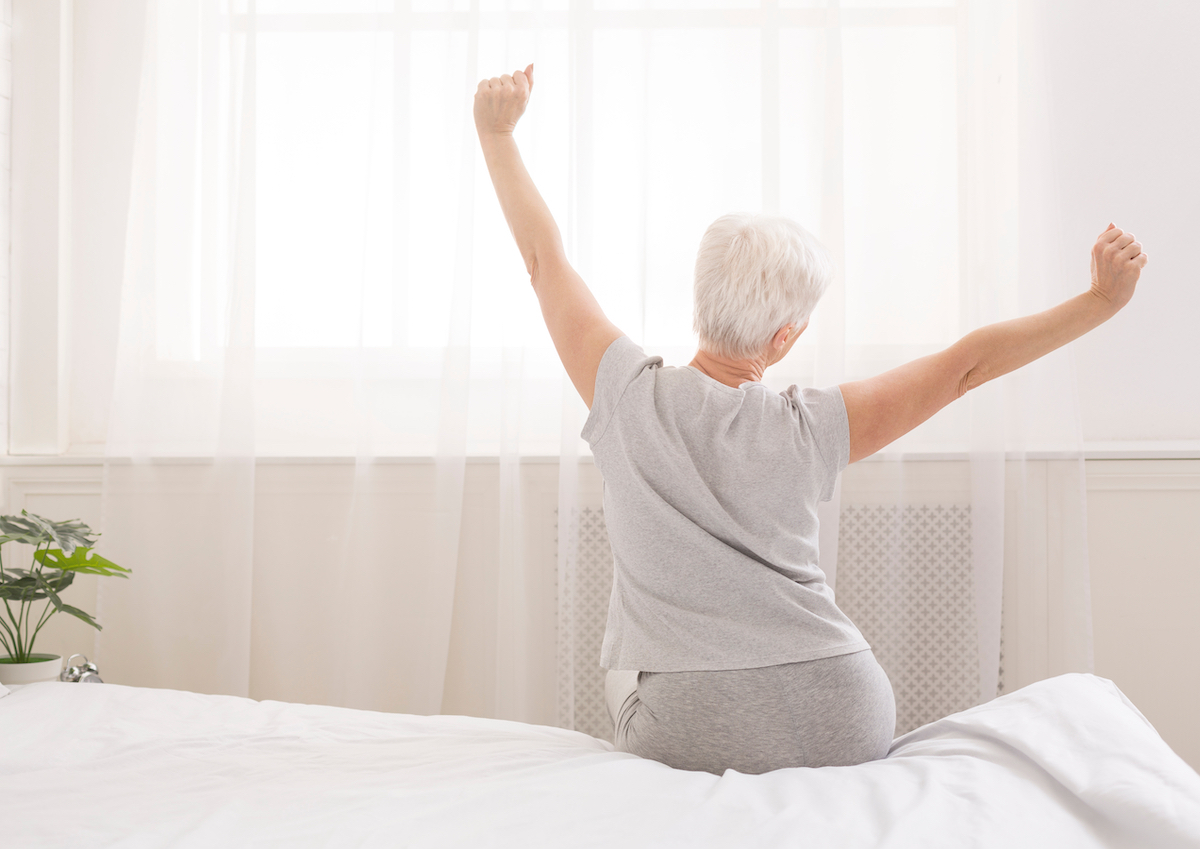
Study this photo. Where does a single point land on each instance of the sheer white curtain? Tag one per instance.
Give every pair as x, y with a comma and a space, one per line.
272, 310
324, 320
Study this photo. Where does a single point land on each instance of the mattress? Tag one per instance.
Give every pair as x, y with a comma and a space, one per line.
1066, 762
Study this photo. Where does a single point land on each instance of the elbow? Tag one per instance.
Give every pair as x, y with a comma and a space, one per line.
972, 378
545, 257
542, 258
966, 361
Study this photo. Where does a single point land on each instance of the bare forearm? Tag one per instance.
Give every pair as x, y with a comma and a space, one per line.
528, 217
885, 407
997, 349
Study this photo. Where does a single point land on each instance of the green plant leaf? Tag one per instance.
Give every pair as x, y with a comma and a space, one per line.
22, 594
23, 589
45, 587
18, 529
68, 535
79, 614
28, 579
58, 580
81, 560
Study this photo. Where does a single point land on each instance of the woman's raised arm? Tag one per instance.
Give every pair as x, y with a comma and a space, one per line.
882, 409
579, 328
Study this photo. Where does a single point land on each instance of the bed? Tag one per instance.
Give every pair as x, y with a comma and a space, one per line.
1067, 762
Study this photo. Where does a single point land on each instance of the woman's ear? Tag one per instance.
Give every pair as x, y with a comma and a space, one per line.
787, 333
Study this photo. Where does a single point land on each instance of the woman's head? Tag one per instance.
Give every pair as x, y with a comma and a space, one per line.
754, 275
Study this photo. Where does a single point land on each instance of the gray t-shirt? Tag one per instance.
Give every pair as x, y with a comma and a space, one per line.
710, 498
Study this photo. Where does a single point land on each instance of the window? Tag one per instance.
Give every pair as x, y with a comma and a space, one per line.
316, 177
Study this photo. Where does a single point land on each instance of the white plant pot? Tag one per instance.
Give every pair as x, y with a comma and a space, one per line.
45, 667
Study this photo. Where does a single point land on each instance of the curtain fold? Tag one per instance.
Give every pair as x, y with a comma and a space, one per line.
830, 360
189, 625
989, 223
333, 381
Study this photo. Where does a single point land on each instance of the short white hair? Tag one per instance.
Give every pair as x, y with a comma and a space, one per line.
755, 274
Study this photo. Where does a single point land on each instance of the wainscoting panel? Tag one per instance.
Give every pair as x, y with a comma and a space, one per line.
1144, 546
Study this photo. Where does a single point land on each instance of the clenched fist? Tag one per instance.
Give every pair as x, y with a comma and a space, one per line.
501, 101
1117, 262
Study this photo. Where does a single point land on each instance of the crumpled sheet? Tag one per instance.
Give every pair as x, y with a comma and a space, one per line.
1066, 762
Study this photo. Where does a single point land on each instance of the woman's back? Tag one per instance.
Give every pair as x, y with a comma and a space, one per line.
710, 501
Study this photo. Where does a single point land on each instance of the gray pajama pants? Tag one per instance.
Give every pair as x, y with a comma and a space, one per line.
836, 711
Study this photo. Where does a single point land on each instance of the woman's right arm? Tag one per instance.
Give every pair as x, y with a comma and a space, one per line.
580, 330
881, 409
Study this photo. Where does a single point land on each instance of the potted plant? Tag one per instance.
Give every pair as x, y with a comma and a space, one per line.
61, 550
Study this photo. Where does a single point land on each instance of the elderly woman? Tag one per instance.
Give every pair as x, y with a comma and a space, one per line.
724, 646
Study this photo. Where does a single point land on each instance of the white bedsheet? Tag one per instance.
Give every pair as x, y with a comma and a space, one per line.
1067, 762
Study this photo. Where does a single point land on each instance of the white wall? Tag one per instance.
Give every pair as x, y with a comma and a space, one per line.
5, 194
1110, 123
1145, 559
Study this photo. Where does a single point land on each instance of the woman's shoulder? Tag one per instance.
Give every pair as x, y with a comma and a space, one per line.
624, 356
813, 402
624, 361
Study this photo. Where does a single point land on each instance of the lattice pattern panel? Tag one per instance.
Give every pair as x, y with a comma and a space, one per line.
905, 579
588, 615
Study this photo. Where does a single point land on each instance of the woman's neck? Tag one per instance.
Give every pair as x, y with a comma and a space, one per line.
731, 372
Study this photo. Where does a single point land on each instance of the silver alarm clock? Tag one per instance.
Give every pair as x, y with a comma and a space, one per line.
82, 673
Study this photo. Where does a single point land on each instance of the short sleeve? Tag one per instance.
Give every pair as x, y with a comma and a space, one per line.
823, 412
622, 363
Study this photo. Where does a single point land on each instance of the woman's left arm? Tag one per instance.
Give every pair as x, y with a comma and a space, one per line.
579, 328
883, 408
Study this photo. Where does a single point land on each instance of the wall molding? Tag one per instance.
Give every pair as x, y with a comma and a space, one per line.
1143, 475
17, 483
